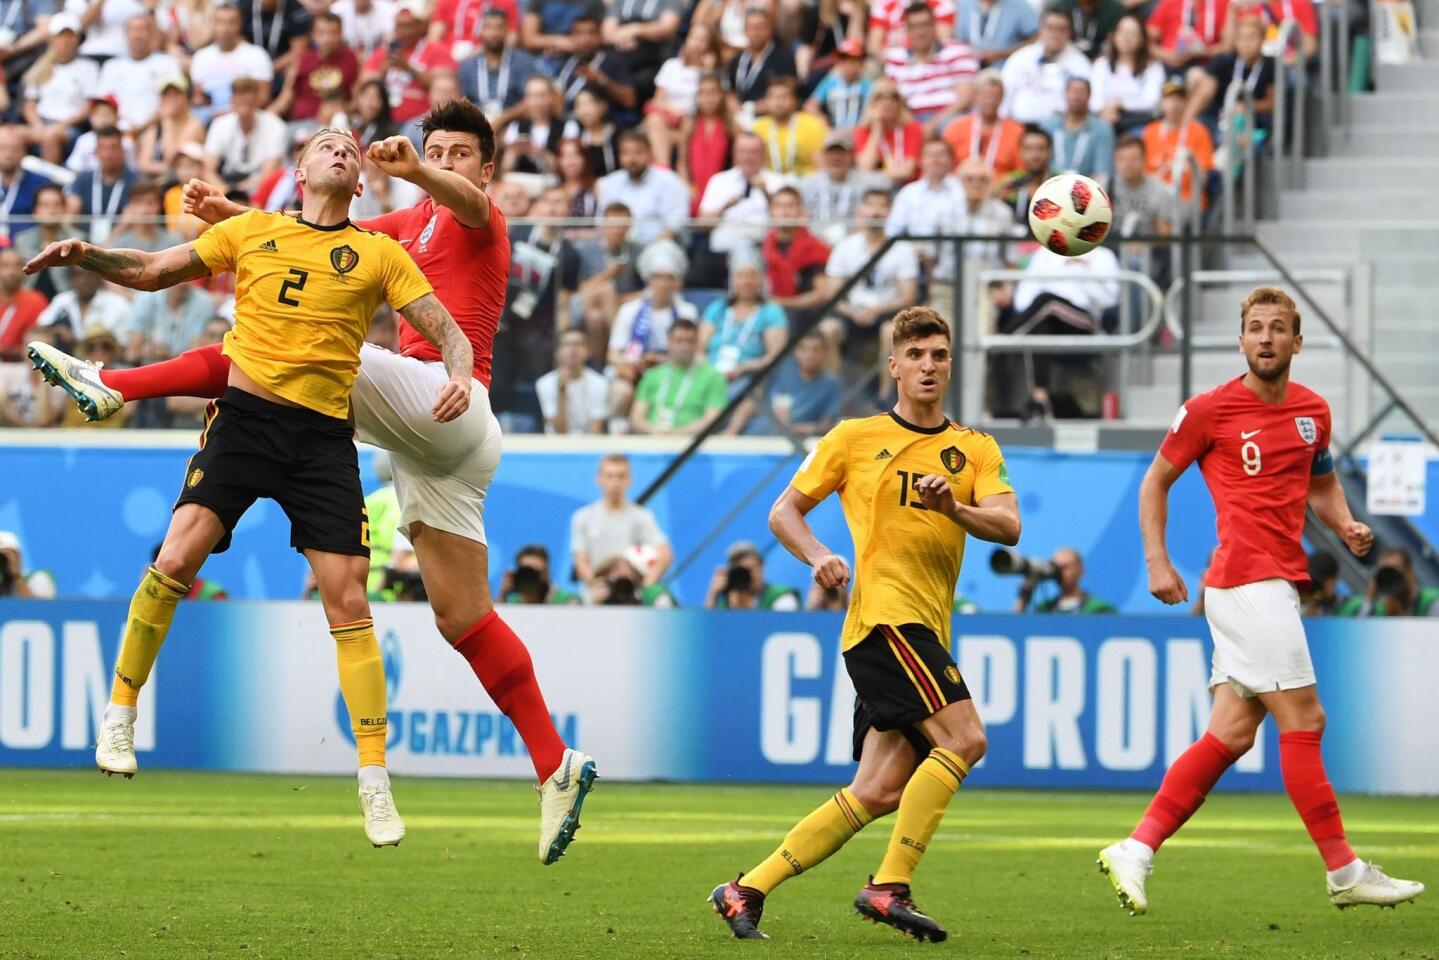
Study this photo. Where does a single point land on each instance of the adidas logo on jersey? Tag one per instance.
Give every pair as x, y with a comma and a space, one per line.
882, 455
269, 245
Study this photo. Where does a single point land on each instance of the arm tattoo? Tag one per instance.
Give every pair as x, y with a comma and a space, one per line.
131, 268
193, 269
429, 316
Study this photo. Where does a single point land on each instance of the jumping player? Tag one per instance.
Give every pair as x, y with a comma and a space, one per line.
1262, 443
912, 485
305, 290
460, 241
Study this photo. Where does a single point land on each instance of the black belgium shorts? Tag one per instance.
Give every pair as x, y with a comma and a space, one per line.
901, 675
303, 460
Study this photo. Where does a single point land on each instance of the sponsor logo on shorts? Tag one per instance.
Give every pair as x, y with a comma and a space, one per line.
195, 477
952, 458
344, 259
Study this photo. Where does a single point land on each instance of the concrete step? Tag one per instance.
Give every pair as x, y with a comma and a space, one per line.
1367, 239
1389, 141
1429, 43
1408, 77
1353, 173
1317, 204
1392, 107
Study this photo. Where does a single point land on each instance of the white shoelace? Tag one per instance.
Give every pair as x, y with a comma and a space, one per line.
121, 736
382, 805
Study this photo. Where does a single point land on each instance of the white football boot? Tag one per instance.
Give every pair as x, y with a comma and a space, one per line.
115, 749
1128, 871
561, 797
79, 378
1374, 887
383, 825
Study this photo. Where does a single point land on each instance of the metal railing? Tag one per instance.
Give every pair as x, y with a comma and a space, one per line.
1288, 167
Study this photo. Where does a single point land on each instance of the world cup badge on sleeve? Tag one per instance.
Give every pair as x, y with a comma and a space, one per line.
1308, 432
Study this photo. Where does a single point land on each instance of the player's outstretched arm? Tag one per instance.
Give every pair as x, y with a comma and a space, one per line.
1326, 499
1165, 583
397, 157
429, 316
787, 522
135, 269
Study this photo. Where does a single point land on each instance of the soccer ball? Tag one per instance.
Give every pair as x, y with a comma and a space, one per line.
1070, 214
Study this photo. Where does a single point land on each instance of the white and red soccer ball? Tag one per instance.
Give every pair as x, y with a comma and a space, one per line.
1070, 214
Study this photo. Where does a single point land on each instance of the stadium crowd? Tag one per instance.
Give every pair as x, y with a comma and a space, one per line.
687, 183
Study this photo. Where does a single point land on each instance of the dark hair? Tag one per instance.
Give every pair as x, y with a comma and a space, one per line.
618, 209
787, 191
144, 187
1056, 12
585, 18
49, 186
108, 133
684, 324
1141, 56
790, 83
495, 12
384, 121
632, 135
532, 549
1034, 130
916, 323
881, 191
916, 8
460, 116
587, 173
327, 17
936, 141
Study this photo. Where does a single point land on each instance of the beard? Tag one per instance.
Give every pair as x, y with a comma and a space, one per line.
1271, 374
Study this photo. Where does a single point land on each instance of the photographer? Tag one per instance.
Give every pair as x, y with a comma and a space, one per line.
529, 581
1393, 591
1065, 568
618, 582
827, 598
1322, 598
14, 581
740, 584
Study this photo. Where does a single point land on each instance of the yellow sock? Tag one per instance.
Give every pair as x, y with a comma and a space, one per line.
362, 683
921, 807
152, 608
811, 841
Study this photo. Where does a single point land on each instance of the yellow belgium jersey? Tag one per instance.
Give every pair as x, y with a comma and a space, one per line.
906, 557
304, 297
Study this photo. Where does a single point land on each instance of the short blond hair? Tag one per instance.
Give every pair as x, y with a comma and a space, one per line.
1269, 295
326, 131
916, 323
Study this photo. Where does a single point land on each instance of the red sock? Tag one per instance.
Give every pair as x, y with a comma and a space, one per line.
502, 663
1309, 789
1184, 788
202, 372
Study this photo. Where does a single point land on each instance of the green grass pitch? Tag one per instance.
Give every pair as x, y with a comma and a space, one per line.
178, 865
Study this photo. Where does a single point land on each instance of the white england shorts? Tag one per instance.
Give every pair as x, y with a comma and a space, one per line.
1259, 643
442, 470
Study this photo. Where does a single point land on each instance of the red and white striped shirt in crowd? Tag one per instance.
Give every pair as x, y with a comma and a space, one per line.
888, 15
928, 86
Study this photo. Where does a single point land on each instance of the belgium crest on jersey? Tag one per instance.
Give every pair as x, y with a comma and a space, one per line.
344, 259
1308, 432
952, 458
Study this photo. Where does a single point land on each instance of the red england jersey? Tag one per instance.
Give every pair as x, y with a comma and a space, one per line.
469, 267
1257, 459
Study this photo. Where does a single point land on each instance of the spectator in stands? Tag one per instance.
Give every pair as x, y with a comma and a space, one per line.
1036, 165
497, 77
1272, 14
1083, 143
1186, 33
573, 398
676, 86
613, 524
326, 67
20, 307
533, 138
983, 132
823, 28
102, 25
888, 23
803, 396
1093, 22
760, 61
881, 291
142, 226
594, 68
407, 63
577, 180
706, 138
827, 598
609, 275
29, 34
104, 191
84, 307
166, 322
642, 33
928, 207
215, 68
18, 187
995, 28
460, 23
185, 26
889, 139
658, 199
740, 196
621, 581
133, 78
25, 399
104, 112
1393, 590
741, 333
372, 120
247, 144
279, 27
58, 89
1322, 598
982, 214
367, 24
547, 28
1141, 203
832, 193
591, 128
1071, 598
1125, 82
741, 585
1244, 71
842, 96
529, 580
640, 336
684, 394
791, 137
935, 77
52, 224
1035, 76
15, 580
794, 258
1173, 139
159, 144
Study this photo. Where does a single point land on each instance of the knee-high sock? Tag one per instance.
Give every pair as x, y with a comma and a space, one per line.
1185, 786
921, 807
202, 372
503, 665
810, 842
1308, 787
151, 611
362, 683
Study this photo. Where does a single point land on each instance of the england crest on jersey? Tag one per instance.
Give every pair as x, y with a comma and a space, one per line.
1308, 432
429, 232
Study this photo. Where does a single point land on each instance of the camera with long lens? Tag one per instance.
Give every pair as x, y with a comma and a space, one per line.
1009, 562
